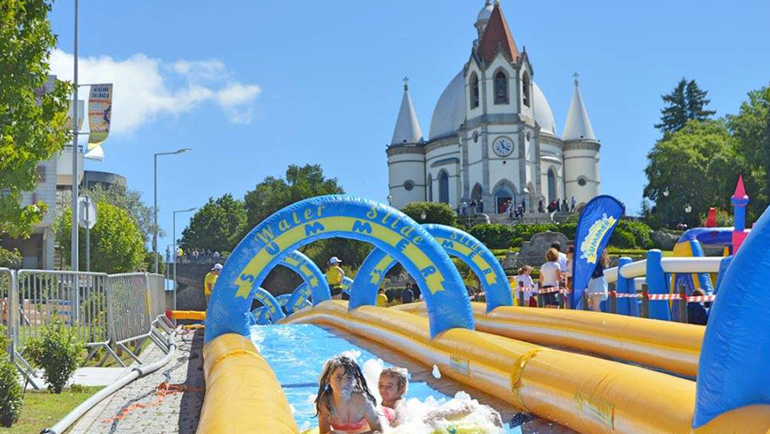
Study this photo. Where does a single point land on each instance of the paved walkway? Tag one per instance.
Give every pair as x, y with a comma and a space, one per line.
138, 408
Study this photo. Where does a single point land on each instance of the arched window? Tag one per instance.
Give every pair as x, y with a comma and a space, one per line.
474, 90
443, 187
476, 192
430, 188
525, 89
501, 88
551, 185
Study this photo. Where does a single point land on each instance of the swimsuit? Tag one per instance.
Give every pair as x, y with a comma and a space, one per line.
351, 427
389, 414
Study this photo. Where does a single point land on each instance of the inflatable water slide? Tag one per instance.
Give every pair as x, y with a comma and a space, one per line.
585, 393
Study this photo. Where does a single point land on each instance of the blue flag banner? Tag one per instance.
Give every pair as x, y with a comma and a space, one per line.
595, 225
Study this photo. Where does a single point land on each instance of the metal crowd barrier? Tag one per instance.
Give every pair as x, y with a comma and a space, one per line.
138, 310
104, 311
78, 299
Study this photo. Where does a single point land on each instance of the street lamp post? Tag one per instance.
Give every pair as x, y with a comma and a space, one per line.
390, 200
155, 206
174, 252
665, 214
74, 246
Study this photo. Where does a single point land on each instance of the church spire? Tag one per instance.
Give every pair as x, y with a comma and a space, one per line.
407, 126
496, 36
578, 125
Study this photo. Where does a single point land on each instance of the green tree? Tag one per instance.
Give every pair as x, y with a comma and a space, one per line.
129, 200
300, 183
698, 166
685, 103
751, 130
116, 242
272, 194
32, 122
439, 213
216, 226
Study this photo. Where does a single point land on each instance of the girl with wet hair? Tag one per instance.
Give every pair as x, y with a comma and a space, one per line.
344, 403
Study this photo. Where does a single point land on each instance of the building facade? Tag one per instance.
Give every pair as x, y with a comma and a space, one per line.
492, 135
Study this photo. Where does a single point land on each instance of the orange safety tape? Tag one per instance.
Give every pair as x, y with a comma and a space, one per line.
161, 391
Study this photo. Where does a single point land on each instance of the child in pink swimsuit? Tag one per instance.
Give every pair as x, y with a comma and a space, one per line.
344, 403
392, 386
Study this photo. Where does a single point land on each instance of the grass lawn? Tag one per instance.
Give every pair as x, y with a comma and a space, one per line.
43, 409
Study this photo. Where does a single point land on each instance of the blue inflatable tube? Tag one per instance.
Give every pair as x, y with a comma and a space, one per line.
733, 368
338, 216
458, 244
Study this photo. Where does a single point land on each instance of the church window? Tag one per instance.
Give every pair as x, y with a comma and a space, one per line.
525, 91
430, 188
552, 185
501, 88
474, 91
443, 187
409, 185
582, 182
476, 192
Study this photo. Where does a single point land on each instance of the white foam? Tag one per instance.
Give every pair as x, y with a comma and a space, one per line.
436, 372
414, 412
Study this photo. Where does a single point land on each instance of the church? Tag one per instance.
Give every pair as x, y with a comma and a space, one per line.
492, 135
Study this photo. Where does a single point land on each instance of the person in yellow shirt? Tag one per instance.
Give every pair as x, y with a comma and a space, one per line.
334, 276
209, 281
382, 299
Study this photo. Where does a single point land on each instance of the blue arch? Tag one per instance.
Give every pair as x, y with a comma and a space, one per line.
458, 244
283, 299
261, 316
733, 367
311, 275
270, 303
300, 298
347, 217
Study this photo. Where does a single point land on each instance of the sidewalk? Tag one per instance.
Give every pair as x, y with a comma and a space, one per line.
139, 408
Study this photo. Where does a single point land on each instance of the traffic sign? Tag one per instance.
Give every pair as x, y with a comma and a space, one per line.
86, 212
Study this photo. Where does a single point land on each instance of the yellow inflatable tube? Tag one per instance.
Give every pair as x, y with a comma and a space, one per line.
242, 392
587, 394
188, 314
672, 346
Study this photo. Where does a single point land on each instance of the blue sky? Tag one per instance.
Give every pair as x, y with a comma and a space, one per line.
253, 86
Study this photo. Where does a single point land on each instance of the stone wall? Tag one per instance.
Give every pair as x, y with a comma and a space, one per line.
532, 252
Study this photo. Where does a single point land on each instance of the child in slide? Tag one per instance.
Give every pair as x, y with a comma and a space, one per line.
451, 417
344, 403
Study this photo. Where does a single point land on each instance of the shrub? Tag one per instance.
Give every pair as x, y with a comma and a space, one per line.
623, 239
11, 398
494, 236
11, 394
57, 353
439, 213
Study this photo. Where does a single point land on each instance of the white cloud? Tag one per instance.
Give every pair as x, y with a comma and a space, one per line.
147, 89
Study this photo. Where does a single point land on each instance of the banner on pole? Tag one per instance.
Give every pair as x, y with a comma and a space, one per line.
598, 219
99, 114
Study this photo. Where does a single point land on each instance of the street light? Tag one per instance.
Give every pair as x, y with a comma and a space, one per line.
688, 209
390, 200
174, 252
665, 219
155, 209
422, 216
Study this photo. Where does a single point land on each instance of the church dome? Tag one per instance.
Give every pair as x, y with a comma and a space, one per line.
543, 113
449, 113
485, 13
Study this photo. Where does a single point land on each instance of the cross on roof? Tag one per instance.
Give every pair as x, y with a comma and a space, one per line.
406, 83
576, 75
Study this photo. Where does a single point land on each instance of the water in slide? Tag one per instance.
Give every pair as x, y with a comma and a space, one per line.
296, 353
